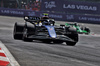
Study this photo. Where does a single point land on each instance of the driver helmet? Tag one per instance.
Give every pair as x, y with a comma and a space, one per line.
45, 16
76, 24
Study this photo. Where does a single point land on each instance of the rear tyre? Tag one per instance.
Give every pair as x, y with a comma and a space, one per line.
17, 32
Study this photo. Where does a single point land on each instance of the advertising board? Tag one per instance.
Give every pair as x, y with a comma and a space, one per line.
70, 6
56, 16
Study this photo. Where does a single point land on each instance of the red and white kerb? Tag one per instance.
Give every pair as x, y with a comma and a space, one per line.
4, 61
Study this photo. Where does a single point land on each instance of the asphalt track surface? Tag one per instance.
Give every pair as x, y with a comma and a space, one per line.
85, 53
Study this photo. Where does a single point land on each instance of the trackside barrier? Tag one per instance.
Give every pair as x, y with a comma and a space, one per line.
56, 16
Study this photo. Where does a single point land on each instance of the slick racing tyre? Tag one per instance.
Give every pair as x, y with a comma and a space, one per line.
71, 43
72, 34
17, 32
29, 29
87, 29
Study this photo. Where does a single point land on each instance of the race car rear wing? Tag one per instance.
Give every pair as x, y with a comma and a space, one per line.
31, 18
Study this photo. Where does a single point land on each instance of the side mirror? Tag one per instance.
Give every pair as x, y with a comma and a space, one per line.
25, 18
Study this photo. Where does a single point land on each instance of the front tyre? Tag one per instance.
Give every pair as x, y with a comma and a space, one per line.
17, 32
88, 30
71, 43
72, 34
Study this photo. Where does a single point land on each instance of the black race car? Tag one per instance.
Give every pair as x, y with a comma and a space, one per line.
45, 30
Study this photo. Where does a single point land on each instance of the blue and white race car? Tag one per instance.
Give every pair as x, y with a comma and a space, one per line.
45, 30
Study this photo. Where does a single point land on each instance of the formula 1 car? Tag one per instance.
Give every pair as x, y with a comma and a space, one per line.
80, 29
45, 30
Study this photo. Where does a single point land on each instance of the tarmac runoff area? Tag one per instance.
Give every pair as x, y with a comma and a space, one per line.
6, 58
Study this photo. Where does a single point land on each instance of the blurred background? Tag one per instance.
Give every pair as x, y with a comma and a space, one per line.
21, 4
28, 4
87, 11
